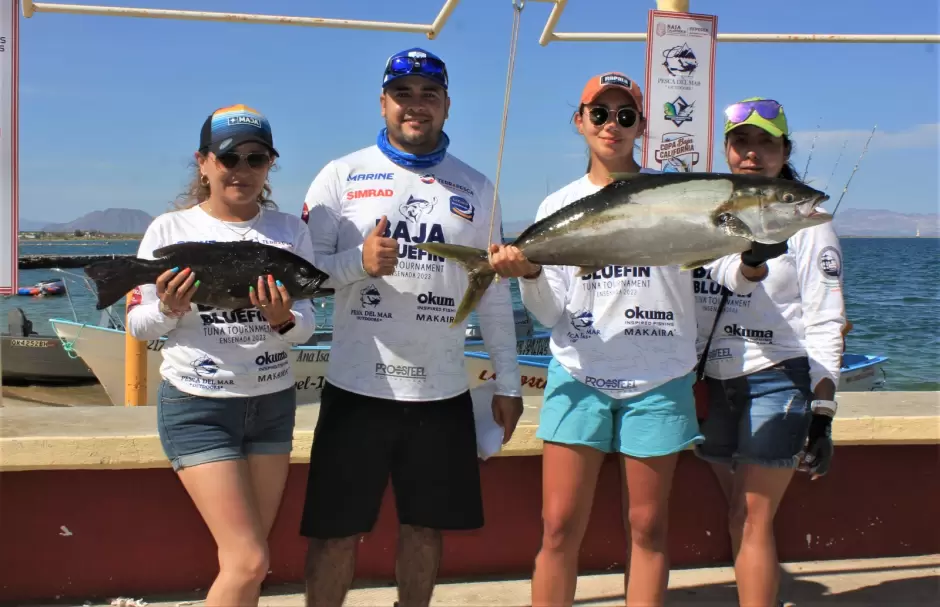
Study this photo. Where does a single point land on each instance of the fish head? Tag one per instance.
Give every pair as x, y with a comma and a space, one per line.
776, 209
309, 279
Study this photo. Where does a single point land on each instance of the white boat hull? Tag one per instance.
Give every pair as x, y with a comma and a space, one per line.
102, 349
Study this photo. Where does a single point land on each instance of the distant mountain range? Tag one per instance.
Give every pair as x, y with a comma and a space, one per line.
108, 221
864, 222
848, 222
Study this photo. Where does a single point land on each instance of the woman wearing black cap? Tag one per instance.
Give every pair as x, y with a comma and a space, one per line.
225, 407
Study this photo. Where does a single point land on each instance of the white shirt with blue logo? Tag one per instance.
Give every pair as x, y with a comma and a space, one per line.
623, 330
215, 352
391, 335
797, 310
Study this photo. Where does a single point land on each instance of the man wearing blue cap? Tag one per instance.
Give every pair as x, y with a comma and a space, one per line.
396, 402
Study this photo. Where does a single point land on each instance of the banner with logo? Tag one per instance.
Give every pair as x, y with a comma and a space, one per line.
680, 84
9, 85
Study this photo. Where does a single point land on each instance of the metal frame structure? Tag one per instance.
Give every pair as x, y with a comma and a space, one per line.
550, 35
432, 30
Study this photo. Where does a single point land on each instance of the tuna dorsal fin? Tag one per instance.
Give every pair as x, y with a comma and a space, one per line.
696, 264
587, 270
623, 176
732, 226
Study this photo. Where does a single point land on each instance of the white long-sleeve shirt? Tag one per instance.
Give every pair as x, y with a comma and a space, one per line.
392, 337
623, 330
797, 310
215, 352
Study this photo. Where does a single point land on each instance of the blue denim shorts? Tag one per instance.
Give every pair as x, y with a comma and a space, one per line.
197, 429
659, 422
762, 418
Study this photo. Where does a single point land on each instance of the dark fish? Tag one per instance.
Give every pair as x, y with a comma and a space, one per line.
654, 219
225, 271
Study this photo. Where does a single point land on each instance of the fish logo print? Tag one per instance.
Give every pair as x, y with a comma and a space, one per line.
582, 320
205, 367
680, 61
369, 296
414, 208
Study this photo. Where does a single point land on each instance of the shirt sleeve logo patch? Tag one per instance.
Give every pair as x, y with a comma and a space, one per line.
461, 207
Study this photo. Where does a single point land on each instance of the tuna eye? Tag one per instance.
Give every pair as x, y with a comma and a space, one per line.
788, 197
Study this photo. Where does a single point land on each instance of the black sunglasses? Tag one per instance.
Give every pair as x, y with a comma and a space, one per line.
599, 115
255, 160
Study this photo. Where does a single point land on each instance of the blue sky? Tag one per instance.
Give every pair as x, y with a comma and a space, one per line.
111, 107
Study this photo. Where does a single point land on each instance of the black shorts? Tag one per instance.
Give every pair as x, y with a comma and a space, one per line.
428, 449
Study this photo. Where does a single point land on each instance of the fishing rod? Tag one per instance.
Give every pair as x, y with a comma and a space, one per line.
846, 188
844, 143
811, 148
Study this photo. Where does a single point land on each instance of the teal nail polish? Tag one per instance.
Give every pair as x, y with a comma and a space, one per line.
279, 283
176, 269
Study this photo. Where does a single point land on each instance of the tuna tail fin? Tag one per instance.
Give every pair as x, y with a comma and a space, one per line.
479, 271
114, 278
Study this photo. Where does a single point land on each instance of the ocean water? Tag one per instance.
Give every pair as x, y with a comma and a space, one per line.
892, 295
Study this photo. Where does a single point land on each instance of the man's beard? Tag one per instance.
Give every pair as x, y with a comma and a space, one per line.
422, 140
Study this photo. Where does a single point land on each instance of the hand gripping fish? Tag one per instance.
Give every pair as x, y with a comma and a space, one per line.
654, 219
225, 271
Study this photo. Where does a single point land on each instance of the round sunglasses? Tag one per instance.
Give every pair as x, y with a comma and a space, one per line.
625, 116
255, 160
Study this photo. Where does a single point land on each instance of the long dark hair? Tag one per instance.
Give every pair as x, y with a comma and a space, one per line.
789, 171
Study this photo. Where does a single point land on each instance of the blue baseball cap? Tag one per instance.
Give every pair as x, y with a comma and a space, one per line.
230, 126
415, 62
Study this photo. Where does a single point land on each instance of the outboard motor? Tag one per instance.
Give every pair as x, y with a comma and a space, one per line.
18, 324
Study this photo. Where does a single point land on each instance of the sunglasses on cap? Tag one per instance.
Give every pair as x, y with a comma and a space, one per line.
255, 160
768, 109
625, 116
429, 66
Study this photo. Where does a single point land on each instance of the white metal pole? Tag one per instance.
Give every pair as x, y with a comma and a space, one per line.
30, 8
438, 24
843, 38
549, 34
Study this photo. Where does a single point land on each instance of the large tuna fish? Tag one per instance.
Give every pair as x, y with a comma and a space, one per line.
654, 219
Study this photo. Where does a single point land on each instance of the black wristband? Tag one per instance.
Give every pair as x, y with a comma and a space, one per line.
749, 260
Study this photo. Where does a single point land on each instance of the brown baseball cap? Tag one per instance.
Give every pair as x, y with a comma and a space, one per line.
609, 80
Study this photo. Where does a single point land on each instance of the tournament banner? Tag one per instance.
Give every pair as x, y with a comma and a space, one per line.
680, 85
9, 187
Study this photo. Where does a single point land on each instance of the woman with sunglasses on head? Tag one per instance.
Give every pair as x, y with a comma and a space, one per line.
617, 383
226, 405
774, 358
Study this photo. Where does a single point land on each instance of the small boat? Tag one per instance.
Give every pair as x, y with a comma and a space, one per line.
862, 373
30, 357
43, 288
859, 373
102, 348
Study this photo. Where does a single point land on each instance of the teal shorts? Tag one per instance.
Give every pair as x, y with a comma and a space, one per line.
658, 422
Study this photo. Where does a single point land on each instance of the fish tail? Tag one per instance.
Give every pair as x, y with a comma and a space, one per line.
114, 278
479, 271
